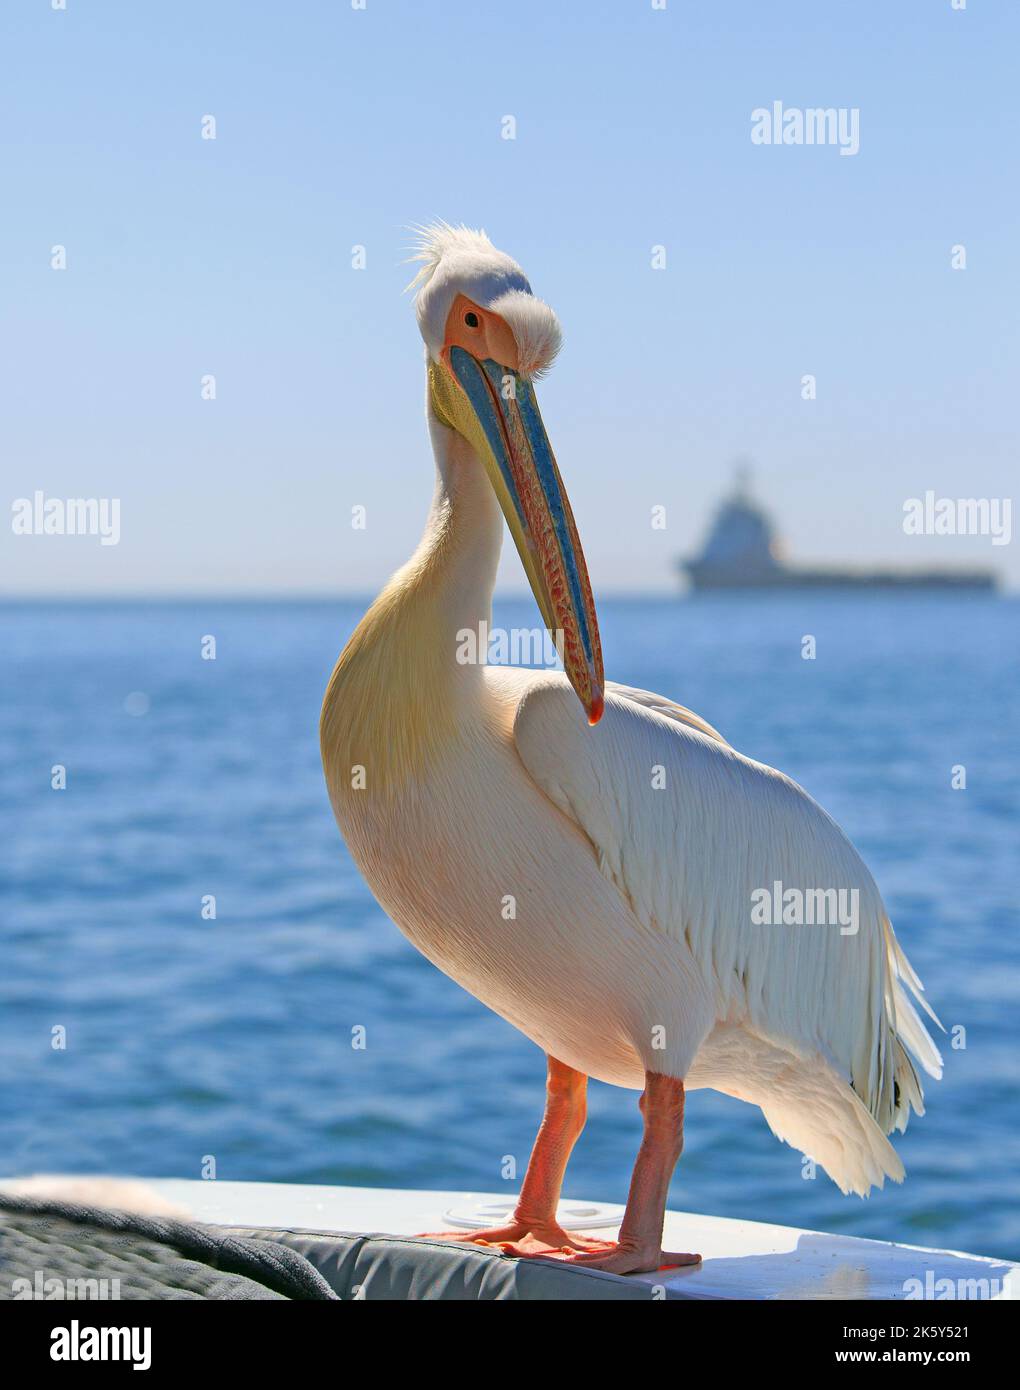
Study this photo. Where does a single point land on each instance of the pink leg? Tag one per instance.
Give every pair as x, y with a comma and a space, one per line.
533, 1229
639, 1244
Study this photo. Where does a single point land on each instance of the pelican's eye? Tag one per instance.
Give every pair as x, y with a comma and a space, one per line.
471, 320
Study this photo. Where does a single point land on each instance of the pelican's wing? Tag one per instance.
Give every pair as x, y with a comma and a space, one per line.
663, 705
696, 836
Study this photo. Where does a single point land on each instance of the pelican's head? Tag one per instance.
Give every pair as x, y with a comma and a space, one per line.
487, 338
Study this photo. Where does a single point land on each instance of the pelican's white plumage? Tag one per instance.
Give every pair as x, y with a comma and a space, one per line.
810, 1024
629, 851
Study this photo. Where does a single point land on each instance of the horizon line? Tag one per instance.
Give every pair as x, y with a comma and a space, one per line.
317, 596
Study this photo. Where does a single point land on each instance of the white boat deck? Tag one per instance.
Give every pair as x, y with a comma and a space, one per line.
741, 1259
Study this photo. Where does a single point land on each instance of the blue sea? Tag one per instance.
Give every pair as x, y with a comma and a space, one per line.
189, 1037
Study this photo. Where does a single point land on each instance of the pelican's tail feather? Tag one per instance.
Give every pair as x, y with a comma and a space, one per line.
843, 1127
822, 1116
897, 1090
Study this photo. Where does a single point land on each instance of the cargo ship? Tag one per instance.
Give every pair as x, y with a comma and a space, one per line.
742, 551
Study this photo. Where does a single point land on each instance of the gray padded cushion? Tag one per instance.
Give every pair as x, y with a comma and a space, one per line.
401, 1268
151, 1257
158, 1258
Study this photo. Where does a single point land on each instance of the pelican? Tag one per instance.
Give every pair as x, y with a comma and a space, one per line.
588, 859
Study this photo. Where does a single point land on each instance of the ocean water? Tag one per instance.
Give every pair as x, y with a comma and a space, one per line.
231, 1038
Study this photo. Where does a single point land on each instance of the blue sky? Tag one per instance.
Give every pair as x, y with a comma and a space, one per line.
338, 127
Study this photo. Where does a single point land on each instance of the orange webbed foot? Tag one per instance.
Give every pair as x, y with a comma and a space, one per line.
527, 1240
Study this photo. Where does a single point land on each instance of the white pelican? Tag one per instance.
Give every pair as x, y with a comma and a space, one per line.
633, 852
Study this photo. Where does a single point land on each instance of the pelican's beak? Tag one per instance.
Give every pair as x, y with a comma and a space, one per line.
493, 406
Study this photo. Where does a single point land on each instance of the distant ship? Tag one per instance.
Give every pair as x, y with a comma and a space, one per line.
743, 552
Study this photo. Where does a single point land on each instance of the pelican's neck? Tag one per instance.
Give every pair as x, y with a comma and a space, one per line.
398, 690
453, 570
